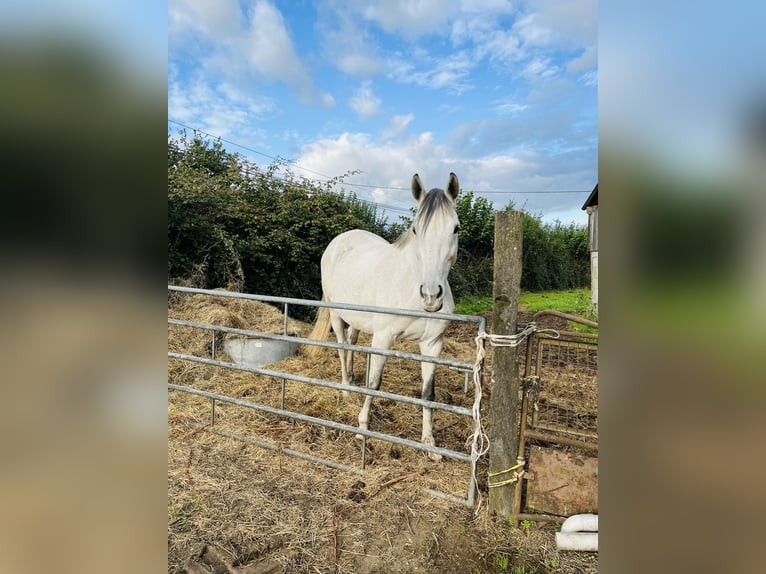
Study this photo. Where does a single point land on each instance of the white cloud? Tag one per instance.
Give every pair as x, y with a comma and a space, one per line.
532, 32
221, 18
223, 34
539, 28
508, 107
450, 73
382, 163
485, 7
221, 110
585, 61
589, 78
500, 45
411, 18
391, 163
566, 24
358, 64
346, 42
364, 102
540, 68
397, 127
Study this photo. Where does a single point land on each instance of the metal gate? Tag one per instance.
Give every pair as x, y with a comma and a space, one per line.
559, 418
464, 366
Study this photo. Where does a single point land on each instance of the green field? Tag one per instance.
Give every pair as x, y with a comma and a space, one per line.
574, 301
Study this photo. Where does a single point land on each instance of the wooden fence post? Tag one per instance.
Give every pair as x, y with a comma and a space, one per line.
504, 402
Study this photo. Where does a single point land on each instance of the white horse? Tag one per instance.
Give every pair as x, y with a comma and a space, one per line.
361, 268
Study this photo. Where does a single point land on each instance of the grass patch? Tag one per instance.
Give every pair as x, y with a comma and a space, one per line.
473, 305
572, 301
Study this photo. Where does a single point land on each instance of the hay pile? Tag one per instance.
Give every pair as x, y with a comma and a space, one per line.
237, 507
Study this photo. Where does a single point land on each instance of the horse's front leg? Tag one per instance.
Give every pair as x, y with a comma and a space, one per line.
431, 349
374, 377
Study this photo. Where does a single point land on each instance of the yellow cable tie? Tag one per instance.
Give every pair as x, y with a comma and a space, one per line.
519, 465
516, 476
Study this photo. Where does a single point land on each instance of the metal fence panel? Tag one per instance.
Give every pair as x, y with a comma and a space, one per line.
480, 323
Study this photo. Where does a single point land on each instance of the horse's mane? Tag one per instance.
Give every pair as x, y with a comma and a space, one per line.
435, 202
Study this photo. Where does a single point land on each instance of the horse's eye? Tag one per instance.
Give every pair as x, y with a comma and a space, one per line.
457, 228
414, 232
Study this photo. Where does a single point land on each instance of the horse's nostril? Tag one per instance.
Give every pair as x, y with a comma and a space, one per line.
438, 295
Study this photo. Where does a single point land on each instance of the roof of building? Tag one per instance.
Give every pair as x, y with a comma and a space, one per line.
592, 198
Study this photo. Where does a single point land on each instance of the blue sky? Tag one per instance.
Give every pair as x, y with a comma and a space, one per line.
502, 93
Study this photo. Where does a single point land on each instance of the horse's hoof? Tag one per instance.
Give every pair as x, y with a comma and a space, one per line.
432, 455
345, 394
359, 436
435, 457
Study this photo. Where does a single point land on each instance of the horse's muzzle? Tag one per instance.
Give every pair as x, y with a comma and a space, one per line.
432, 303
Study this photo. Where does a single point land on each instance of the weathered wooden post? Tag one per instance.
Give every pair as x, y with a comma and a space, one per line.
504, 403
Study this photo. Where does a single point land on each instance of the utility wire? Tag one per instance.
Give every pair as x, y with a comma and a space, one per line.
362, 185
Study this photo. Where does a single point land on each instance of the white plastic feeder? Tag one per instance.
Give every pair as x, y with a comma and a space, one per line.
579, 532
257, 352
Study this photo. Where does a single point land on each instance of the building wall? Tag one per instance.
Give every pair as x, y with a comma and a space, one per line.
593, 245
594, 279
593, 227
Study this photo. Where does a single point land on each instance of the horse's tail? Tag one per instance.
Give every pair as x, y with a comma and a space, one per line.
319, 333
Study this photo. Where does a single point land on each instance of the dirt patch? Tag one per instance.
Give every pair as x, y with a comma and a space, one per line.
237, 507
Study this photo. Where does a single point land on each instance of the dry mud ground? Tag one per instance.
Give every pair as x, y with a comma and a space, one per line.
235, 507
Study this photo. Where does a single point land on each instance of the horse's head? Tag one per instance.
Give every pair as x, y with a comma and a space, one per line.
434, 234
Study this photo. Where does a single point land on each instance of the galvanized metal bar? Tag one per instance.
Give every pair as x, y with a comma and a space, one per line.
288, 451
304, 341
212, 412
212, 346
450, 498
329, 384
346, 306
284, 328
325, 423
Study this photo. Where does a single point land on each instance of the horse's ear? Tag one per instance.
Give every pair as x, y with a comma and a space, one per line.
453, 186
417, 188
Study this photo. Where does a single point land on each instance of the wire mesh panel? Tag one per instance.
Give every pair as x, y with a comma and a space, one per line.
565, 398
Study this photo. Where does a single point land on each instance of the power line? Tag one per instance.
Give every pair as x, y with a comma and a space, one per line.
485, 191
255, 151
369, 186
280, 160
225, 140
